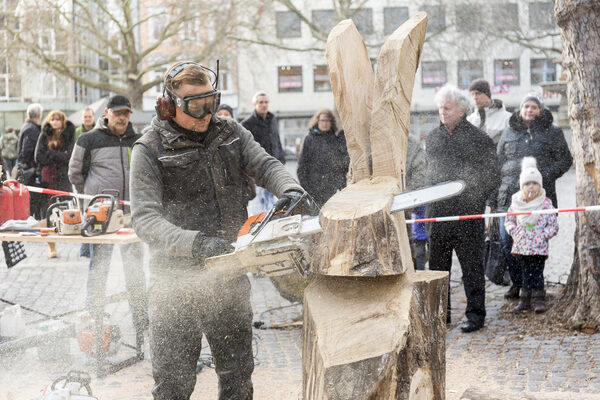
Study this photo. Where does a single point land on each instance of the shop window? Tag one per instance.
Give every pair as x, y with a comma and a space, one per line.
433, 74
506, 72
321, 79
290, 78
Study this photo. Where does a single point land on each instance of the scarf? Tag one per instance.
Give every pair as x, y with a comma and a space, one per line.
520, 205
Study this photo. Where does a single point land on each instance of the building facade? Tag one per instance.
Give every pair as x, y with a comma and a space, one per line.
465, 40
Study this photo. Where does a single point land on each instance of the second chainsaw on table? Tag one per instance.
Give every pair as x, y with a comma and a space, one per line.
102, 216
64, 215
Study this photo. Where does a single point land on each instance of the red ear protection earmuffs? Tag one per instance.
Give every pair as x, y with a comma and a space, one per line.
165, 104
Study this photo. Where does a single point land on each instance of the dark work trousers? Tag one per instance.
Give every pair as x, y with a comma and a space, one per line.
421, 254
132, 256
514, 266
533, 271
469, 249
181, 311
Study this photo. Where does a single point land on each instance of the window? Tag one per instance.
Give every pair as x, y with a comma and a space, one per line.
469, 18
288, 24
393, 17
433, 73
541, 15
363, 19
437, 18
321, 79
3, 86
48, 85
506, 16
468, 71
506, 72
290, 78
190, 29
158, 20
225, 81
542, 70
14, 86
325, 20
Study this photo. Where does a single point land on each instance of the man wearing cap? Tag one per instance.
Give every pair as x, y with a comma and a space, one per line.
100, 164
490, 115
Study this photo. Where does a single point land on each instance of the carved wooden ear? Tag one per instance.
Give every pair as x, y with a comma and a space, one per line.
394, 80
352, 79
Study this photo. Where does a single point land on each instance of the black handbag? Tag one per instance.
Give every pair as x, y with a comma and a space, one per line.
493, 257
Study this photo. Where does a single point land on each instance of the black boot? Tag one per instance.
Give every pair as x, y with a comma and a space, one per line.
512, 293
539, 301
524, 301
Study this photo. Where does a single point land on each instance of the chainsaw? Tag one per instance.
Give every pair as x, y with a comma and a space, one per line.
102, 216
276, 246
68, 387
86, 336
64, 216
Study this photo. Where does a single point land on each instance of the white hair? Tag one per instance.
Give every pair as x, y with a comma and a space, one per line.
452, 93
34, 110
258, 94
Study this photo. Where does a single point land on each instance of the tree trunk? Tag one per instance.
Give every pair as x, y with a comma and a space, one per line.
579, 21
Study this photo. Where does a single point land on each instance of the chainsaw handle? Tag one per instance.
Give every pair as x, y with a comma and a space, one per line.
52, 207
89, 222
81, 377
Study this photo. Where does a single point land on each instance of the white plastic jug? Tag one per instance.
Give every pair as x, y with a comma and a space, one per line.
12, 323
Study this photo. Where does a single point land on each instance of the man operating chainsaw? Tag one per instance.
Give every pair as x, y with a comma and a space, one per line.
100, 162
188, 203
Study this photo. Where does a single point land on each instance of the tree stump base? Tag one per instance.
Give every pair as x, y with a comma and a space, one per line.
375, 338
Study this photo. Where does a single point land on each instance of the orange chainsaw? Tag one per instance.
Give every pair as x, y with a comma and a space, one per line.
102, 216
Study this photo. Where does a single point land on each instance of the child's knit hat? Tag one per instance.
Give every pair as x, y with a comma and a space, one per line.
529, 172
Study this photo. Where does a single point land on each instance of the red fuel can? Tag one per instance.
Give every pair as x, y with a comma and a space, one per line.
6, 204
20, 199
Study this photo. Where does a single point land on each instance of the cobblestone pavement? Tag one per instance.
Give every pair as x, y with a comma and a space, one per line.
503, 360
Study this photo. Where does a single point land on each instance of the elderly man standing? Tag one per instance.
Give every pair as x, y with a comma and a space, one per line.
264, 127
490, 115
459, 150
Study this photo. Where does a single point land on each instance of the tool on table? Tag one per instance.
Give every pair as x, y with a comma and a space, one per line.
64, 215
69, 387
274, 245
102, 216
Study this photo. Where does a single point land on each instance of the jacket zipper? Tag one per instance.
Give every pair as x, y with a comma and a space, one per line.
122, 167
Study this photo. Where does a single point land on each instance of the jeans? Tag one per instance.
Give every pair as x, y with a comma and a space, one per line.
132, 256
514, 267
421, 256
9, 163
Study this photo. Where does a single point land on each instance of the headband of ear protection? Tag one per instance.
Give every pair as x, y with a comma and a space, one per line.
196, 106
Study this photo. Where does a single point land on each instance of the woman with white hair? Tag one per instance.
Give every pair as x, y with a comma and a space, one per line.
457, 150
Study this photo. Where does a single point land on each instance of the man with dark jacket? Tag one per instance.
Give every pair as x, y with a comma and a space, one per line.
459, 151
265, 128
99, 163
188, 203
26, 166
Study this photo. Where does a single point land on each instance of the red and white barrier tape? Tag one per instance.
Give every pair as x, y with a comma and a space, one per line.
61, 193
492, 215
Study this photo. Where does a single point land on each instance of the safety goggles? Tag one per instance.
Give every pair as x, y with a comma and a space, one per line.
198, 105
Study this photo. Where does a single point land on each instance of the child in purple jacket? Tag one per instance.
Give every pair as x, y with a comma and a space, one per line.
531, 234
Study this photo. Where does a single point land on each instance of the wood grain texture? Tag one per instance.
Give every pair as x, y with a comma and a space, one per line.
351, 77
394, 80
375, 338
360, 236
